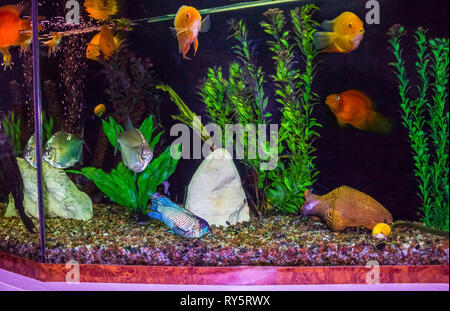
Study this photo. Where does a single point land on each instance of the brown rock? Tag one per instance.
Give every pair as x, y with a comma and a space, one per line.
345, 207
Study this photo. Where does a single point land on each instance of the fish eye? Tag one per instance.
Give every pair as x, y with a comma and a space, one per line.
338, 98
188, 15
350, 25
202, 226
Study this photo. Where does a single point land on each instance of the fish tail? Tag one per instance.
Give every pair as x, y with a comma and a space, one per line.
323, 40
117, 140
378, 123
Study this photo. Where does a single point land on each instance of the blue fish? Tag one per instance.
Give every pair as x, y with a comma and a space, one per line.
180, 221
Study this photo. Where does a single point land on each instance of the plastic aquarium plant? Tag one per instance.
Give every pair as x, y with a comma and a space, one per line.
240, 98
426, 118
47, 125
123, 186
11, 126
293, 89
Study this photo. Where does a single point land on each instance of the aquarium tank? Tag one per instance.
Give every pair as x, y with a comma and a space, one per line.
225, 132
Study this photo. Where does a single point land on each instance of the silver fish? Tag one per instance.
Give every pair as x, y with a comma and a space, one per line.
135, 150
63, 150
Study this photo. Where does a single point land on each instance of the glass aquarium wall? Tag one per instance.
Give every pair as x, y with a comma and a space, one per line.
226, 132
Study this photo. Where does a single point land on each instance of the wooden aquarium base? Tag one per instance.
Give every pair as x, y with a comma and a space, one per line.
242, 275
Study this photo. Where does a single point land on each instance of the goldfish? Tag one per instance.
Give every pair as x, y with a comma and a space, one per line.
342, 35
180, 221
63, 150
53, 43
135, 150
11, 28
188, 23
103, 43
99, 110
355, 108
101, 9
30, 151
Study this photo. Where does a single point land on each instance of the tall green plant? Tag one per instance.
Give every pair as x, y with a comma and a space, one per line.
122, 185
241, 99
427, 120
11, 126
293, 89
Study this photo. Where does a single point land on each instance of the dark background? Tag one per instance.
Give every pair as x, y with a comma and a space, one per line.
379, 165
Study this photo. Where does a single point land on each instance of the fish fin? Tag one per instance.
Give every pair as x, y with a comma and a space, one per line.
155, 215
185, 51
177, 31
117, 140
129, 125
206, 24
327, 25
341, 124
323, 40
87, 147
195, 46
378, 123
179, 231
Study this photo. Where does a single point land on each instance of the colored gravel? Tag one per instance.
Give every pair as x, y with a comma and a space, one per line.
112, 237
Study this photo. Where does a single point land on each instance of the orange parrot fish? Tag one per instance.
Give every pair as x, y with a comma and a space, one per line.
355, 108
11, 28
101, 9
103, 43
188, 23
342, 35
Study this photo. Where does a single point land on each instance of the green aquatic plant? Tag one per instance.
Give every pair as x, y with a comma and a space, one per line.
131, 87
47, 125
293, 89
187, 116
11, 126
240, 98
426, 118
124, 187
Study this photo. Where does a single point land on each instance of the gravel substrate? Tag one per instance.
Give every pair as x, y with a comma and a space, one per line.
112, 238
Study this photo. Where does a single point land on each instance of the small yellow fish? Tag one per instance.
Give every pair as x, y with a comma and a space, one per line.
103, 43
188, 23
381, 231
53, 43
342, 35
355, 108
99, 110
7, 59
101, 9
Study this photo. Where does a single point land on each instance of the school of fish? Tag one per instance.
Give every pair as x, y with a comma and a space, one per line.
343, 34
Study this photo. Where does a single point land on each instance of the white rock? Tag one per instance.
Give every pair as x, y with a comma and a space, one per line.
61, 196
215, 192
